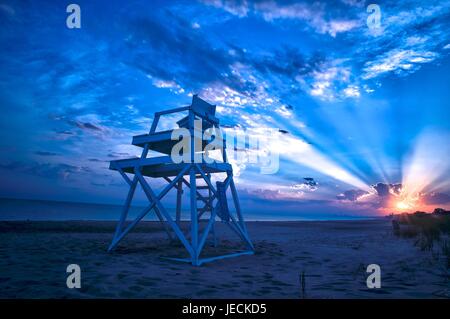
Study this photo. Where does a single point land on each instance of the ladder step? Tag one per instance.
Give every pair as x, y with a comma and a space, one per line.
203, 187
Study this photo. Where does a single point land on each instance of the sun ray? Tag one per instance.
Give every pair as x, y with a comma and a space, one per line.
426, 163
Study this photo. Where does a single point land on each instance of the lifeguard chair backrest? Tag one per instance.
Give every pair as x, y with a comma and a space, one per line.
202, 108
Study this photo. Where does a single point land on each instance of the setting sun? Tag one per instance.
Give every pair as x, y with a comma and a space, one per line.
403, 205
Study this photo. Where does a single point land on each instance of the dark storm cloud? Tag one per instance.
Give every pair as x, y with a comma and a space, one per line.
184, 54
287, 62
88, 126
436, 198
84, 125
384, 189
95, 129
308, 184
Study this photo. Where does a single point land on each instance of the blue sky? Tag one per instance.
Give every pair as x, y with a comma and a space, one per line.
365, 112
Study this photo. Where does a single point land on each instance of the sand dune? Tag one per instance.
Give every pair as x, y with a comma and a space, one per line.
332, 254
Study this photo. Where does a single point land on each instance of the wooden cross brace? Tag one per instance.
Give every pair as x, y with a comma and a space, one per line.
195, 246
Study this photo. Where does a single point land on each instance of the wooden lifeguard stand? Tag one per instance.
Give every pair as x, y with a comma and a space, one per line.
215, 204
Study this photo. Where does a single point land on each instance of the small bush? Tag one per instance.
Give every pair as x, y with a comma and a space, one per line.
428, 228
446, 251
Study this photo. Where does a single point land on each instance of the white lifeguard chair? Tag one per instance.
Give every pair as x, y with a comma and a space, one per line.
214, 201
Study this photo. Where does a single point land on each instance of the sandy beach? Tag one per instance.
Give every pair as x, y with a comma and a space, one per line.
333, 255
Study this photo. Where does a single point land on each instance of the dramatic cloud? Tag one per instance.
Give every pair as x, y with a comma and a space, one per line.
309, 184
436, 198
388, 194
88, 126
398, 61
197, 61
387, 189
312, 14
352, 195
411, 36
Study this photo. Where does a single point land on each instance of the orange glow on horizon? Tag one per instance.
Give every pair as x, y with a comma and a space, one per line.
403, 205
404, 202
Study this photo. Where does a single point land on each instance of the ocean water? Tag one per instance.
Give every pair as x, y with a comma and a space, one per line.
25, 209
